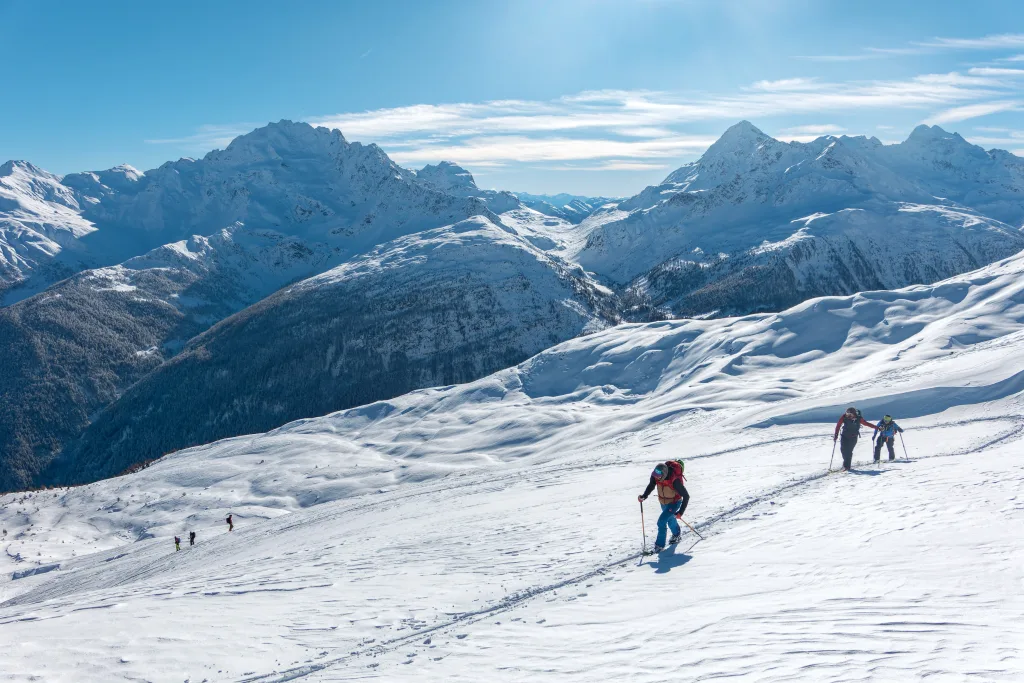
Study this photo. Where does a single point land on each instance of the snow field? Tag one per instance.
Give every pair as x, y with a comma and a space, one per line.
490, 530
508, 573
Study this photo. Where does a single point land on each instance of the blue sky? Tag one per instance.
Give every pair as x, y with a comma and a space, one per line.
584, 96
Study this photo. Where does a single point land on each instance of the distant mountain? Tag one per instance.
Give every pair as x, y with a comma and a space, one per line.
759, 224
301, 181
569, 207
434, 308
154, 259
294, 273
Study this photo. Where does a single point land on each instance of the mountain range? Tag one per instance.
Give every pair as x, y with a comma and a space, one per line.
295, 273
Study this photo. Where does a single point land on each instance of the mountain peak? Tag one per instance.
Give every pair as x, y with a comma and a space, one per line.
926, 133
15, 165
743, 129
273, 139
743, 137
447, 176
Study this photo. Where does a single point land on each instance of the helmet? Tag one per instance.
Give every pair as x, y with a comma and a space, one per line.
851, 410
887, 418
659, 472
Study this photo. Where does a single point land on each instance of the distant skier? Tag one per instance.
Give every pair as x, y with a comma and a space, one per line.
191, 538
231, 525
668, 477
850, 423
887, 429
177, 543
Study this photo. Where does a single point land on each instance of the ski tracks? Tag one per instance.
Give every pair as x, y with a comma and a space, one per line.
712, 525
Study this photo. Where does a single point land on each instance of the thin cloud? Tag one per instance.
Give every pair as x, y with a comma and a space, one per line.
973, 111
609, 129
528, 150
786, 84
613, 165
995, 71
990, 42
809, 132
1003, 40
206, 138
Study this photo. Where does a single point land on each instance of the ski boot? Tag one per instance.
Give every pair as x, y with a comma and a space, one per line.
674, 539
658, 549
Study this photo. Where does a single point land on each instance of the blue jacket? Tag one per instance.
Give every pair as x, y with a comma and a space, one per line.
888, 430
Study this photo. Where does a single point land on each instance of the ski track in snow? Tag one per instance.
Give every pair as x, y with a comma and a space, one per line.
707, 525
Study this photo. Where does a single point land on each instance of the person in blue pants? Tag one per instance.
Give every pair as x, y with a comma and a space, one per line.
887, 429
672, 494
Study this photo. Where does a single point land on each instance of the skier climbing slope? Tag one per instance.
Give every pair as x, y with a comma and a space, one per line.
668, 478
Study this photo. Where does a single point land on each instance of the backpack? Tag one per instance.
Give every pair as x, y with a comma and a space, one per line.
852, 427
682, 467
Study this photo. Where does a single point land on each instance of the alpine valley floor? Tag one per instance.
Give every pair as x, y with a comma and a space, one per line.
490, 531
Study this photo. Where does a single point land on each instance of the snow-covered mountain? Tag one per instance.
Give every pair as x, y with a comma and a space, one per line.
184, 261
438, 535
569, 207
755, 224
759, 224
73, 349
457, 181
443, 306
301, 181
39, 217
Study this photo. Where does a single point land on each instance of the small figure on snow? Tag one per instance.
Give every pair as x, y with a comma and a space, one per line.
668, 477
191, 538
850, 422
231, 525
177, 543
887, 429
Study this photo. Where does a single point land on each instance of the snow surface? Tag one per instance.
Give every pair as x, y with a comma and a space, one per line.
490, 530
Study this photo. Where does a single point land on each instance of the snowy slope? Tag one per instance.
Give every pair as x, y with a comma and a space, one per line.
489, 530
741, 228
443, 306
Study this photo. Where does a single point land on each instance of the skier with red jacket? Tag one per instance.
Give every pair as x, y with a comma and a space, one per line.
850, 423
668, 478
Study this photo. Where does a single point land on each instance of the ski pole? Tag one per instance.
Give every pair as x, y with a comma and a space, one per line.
691, 528
643, 527
830, 460
904, 444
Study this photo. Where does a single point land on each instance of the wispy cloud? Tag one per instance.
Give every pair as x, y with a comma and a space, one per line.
611, 165
655, 113
996, 71
809, 132
206, 138
990, 42
643, 129
973, 111
785, 84
525, 149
